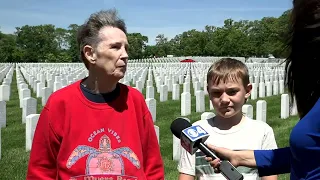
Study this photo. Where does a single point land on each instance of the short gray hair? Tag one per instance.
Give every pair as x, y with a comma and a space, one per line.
88, 33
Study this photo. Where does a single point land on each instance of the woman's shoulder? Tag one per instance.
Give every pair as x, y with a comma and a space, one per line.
63, 95
131, 91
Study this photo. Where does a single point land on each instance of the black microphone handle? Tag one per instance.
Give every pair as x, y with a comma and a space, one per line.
227, 169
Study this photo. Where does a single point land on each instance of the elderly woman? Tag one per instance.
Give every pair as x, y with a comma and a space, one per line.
97, 127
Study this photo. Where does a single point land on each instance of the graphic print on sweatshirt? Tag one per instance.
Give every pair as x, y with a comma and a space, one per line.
103, 161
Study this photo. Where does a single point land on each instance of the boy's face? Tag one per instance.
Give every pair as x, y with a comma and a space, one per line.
227, 98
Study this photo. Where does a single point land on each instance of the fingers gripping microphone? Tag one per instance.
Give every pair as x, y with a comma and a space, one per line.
192, 139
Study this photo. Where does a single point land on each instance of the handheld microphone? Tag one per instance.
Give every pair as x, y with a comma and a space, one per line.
191, 140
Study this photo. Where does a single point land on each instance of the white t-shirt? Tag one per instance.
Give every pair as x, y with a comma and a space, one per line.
249, 135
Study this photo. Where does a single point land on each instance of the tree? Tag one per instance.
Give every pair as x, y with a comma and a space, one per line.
243, 38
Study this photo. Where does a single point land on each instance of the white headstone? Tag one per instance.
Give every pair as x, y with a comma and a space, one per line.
39, 89
185, 104
152, 105
186, 87
254, 91
281, 86
139, 85
175, 92
29, 107
247, 109
275, 87
46, 94
200, 105
57, 86
24, 93
261, 111
262, 90
163, 93
3, 114
31, 124
284, 106
269, 89
150, 92
4, 92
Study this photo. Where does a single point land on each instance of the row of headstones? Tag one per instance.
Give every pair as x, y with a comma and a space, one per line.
263, 90
169, 86
78, 68
196, 58
28, 105
174, 67
5, 92
29, 110
129, 77
53, 80
167, 68
46, 73
139, 78
5, 87
247, 109
263, 75
164, 96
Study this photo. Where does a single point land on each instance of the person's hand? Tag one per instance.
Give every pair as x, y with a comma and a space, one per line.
223, 154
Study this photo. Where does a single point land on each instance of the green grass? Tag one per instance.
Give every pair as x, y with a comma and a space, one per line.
14, 159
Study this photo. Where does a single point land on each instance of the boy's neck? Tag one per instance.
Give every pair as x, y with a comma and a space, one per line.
228, 123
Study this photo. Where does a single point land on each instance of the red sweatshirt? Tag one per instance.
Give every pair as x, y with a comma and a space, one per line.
79, 139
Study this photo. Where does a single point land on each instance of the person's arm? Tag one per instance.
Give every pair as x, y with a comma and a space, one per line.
268, 162
273, 177
271, 162
44, 150
153, 163
269, 142
183, 176
186, 165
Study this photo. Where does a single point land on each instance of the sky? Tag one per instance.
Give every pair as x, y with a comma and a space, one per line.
148, 17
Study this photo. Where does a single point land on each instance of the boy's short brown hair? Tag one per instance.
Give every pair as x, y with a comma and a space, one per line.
228, 69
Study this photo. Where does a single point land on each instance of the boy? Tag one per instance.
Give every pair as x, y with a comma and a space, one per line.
229, 88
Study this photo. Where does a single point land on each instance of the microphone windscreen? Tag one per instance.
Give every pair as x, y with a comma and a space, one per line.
178, 125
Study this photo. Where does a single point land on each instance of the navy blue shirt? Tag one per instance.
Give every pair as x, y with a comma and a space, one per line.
302, 158
100, 97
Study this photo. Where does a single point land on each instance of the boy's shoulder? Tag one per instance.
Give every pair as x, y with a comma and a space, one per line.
258, 125
254, 125
256, 122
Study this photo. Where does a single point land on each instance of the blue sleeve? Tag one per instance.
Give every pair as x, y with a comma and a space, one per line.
273, 162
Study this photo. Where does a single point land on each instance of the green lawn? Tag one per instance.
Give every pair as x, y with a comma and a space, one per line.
14, 159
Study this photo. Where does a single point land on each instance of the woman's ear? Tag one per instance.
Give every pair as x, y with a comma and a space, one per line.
90, 54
